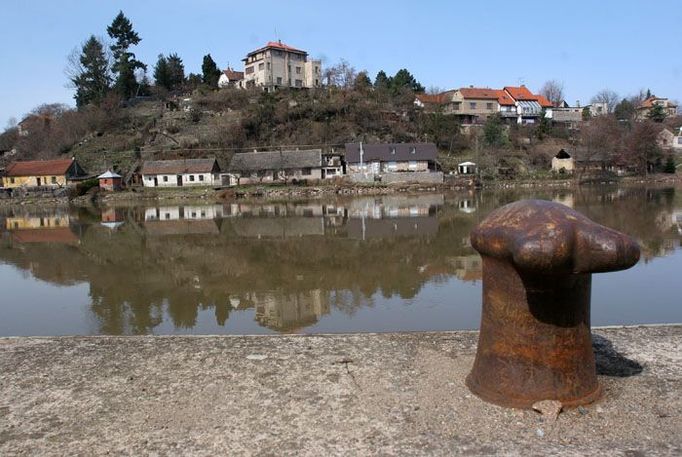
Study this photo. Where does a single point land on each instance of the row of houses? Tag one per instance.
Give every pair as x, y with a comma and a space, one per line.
473, 105
413, 162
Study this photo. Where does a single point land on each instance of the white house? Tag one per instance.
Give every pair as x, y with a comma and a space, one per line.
180, 173
230, 78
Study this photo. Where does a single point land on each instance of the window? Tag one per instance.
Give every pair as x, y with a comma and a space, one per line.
167, 215
317, 82
472, 105
679, 140
392, 150
412, 165
489, 106
268, 65
457, 106
11, 180
191, 177
248, 70
299, 83
413, 150
261, 66
298, 70
392, 165
201, 177
165, 179
279, 81
289, 68
307, 172
53, 180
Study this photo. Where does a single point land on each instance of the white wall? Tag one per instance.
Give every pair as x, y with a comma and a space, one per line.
172, 180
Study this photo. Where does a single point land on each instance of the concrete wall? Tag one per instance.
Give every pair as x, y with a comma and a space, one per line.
435, 177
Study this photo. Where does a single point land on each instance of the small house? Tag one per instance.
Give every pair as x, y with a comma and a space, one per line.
230, 78
466, 168
280, 166
402, 162
43, 173
563, 162
180, 173
110, 181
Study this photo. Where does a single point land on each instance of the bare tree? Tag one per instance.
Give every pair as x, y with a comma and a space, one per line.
553, 90
607, 96
341, 75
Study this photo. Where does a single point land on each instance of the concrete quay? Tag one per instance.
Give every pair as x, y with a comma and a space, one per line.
364, 394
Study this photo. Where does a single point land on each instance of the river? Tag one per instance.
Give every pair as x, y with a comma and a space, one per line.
367, 264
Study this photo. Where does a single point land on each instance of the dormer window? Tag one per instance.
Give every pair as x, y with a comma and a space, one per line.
392, 150
413, 150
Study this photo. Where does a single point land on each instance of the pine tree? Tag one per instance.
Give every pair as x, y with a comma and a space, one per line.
125, 63
91, 76
362, 81
403, 79
161, 73
657, 113
176, 71
210, 71
382, 82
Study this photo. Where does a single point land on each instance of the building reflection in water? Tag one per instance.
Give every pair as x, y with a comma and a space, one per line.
290, 264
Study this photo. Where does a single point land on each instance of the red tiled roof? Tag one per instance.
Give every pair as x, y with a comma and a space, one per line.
544, 102
277, 45
478, 93
434, 99
504, 99
39, 168
233, 75
520, 93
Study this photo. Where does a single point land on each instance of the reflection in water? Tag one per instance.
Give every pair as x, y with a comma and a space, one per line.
371, 263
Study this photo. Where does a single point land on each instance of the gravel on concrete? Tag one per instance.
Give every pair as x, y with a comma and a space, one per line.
364, 394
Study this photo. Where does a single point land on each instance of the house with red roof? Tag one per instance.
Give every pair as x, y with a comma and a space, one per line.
643, 110
277, 65
529, 106
230, 78
42, 173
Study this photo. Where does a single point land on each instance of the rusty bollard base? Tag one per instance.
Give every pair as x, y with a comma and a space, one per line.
535, 341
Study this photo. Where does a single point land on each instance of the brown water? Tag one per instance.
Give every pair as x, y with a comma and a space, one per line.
397, 263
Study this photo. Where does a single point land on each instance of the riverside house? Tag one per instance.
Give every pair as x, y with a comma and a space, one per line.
181, 173
401, 162
277, 65
42, 173
283, 166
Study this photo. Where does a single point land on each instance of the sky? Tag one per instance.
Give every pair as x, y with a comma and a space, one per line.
588, 45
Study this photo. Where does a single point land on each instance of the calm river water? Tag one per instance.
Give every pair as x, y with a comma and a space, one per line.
394, 263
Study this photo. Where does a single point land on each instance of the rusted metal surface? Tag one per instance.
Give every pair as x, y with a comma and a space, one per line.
535, 341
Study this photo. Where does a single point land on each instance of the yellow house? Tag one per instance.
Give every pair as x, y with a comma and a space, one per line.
27, 223
42, 173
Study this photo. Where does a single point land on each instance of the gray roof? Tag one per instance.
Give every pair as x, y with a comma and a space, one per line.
171, 167
390, 152
276, 160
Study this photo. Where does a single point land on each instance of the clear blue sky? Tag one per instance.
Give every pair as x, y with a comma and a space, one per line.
624, 45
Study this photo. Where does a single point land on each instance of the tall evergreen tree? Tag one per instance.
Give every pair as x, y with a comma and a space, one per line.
90, 73
210, 71
657, 113
176, 71
403, 79
161, 74
125, 63
382, 81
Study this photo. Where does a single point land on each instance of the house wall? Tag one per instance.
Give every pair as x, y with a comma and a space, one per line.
398, 166
483, 107
172, 180
32, 181
22, 223
566, 164
276, 67
268, 176
110, 183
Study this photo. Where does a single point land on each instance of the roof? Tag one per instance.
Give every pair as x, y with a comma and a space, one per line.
434, 99
504, 99
233, 75
39, 167
389, 152
478, 93
562, 154
276, 160
277, 45
108, 175
651, 101
544, 102
520, 93
182, 166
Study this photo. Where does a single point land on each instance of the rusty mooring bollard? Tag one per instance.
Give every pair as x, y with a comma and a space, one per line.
535, 342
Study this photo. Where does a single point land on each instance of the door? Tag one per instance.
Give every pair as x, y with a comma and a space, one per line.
179, 180
156, 181
38, 181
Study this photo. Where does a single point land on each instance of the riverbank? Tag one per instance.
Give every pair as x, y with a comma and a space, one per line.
363, 394
325, 190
